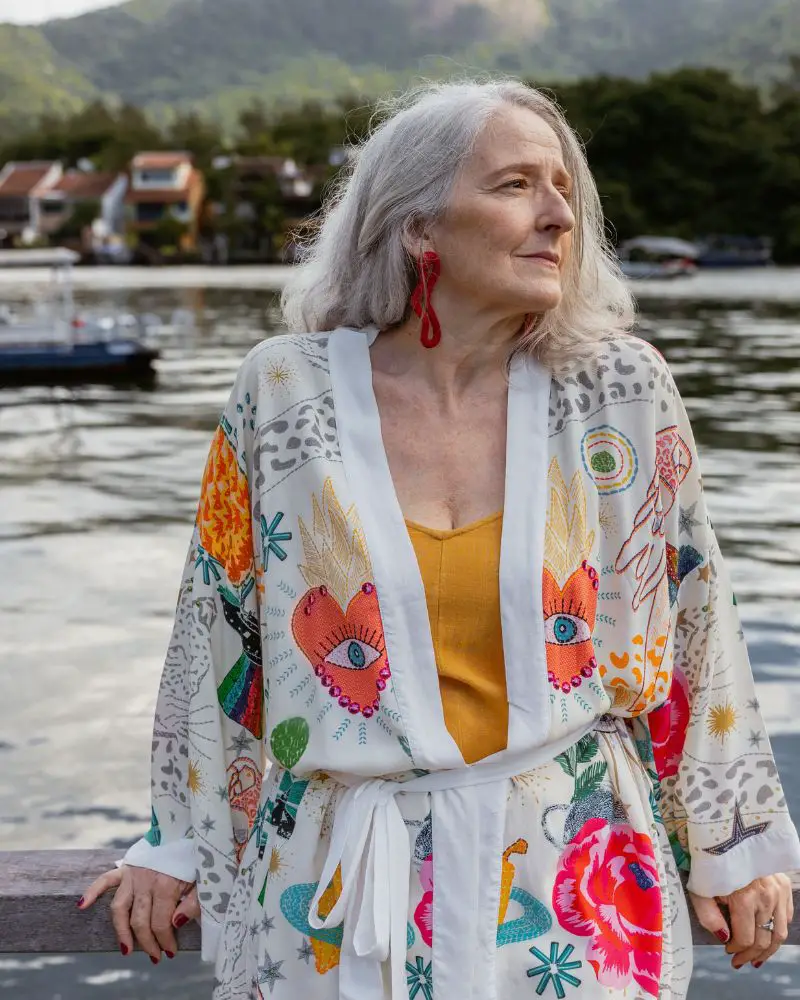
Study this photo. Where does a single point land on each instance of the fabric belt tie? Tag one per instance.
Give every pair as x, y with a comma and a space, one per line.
371, 843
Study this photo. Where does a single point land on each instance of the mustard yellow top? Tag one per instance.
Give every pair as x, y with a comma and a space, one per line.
461, 573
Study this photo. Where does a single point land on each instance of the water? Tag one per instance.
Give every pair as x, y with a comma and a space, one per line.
97, 493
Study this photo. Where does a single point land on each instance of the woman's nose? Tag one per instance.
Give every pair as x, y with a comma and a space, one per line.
555, 213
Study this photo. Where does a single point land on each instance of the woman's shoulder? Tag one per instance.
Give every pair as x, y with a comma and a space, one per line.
621, 370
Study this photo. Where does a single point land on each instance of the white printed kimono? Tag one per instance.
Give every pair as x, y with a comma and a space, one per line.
302, 770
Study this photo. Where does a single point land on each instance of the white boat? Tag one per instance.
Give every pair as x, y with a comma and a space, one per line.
56, 343
657, 257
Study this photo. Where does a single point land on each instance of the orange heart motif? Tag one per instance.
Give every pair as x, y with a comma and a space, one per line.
569, 616
345, 648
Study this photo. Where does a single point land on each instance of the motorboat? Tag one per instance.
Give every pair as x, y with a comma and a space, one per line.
56, 343
657, 257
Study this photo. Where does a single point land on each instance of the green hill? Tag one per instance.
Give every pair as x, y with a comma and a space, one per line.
216, 56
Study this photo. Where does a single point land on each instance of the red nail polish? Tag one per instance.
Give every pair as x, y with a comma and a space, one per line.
757, 965
170, 954
181, 919
124, 949
80, 902
723, 936
154, 960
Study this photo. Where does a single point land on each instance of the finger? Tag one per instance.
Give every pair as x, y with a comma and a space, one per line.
140, 922
710, 916
758, 910
743, 923
188, 909
779, 935
104, 882
166, 894
121, 915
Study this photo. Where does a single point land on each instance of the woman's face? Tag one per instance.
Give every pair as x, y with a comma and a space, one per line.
511, 202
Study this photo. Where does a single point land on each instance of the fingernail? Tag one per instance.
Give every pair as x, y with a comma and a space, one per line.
154, 960
80, 902
124, 949
181, 919
170, 954
737, 967
723, 936
757, 965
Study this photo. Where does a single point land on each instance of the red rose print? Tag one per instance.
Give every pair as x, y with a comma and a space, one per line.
607, 888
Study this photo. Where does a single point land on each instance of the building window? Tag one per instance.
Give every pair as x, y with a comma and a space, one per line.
161, 176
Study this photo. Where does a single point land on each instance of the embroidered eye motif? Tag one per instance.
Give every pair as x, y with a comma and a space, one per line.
566, 629
354, 654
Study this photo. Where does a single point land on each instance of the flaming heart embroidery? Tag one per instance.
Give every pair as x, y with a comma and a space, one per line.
569, 594
346, 649
337, 623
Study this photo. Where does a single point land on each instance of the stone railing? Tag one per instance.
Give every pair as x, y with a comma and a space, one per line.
39, 890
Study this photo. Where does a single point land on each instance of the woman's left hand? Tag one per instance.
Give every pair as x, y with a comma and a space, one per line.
754, 904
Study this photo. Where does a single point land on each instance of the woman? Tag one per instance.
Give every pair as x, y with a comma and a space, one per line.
453, 580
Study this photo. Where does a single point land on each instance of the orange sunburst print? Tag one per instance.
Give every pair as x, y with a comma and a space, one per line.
569, 616
223, 516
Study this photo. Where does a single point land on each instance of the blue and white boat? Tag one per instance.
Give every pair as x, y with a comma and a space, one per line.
56, 344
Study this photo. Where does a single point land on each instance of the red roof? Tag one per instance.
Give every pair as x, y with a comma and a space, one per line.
170, 195
19, 179
160, 161
80, 186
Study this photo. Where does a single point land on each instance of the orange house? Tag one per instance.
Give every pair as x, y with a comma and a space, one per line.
164, 186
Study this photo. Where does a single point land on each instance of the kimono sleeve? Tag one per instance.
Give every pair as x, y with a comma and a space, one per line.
721, 798
207, 754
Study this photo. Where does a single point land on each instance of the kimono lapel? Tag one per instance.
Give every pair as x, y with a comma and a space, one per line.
401, 594
396, 572
522, 554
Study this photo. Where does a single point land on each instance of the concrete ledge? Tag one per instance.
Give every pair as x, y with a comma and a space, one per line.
39, 890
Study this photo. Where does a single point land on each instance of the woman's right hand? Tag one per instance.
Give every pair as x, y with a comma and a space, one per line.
147, 904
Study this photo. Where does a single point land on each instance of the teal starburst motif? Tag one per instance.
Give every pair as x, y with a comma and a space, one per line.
420, 979
271, 539
554, 969
209, 564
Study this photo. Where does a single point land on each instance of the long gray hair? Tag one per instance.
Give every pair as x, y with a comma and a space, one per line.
355, 269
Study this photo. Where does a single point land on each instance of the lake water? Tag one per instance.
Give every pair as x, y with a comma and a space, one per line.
97, 494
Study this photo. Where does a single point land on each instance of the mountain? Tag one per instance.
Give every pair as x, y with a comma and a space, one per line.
216, 55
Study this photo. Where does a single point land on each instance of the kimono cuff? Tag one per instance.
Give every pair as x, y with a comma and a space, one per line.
770, 853
176, 858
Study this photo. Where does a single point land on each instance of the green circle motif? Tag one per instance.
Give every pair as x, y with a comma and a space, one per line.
603, 461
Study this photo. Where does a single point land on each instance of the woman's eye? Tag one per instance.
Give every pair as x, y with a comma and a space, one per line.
518, 182
354, 654
566, 630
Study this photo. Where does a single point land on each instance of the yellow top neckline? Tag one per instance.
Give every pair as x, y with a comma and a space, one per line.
443, 533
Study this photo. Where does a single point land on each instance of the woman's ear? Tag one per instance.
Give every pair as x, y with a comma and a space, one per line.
416, 238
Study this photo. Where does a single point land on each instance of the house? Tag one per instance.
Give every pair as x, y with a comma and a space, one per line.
164, 189
20, 209
91, 199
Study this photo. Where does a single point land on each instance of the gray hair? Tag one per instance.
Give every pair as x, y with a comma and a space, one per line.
355, 269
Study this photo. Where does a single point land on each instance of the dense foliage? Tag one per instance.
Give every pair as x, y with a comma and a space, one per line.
216, 57
686, 153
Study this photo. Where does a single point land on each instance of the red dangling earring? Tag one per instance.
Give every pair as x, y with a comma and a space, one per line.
430, 268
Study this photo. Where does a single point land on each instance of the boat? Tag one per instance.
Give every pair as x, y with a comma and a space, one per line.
57, 344
657, 257
735, 251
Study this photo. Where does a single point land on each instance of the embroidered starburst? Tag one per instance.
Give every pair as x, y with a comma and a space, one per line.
556, 969
253, 929
271, 539
267, 924
420, 979
754, 704
755, 738
722, 721
279, 375
607, 519
208, 824
269, 972
222, 792
210, 565
276, 862
305, 952
194, 780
